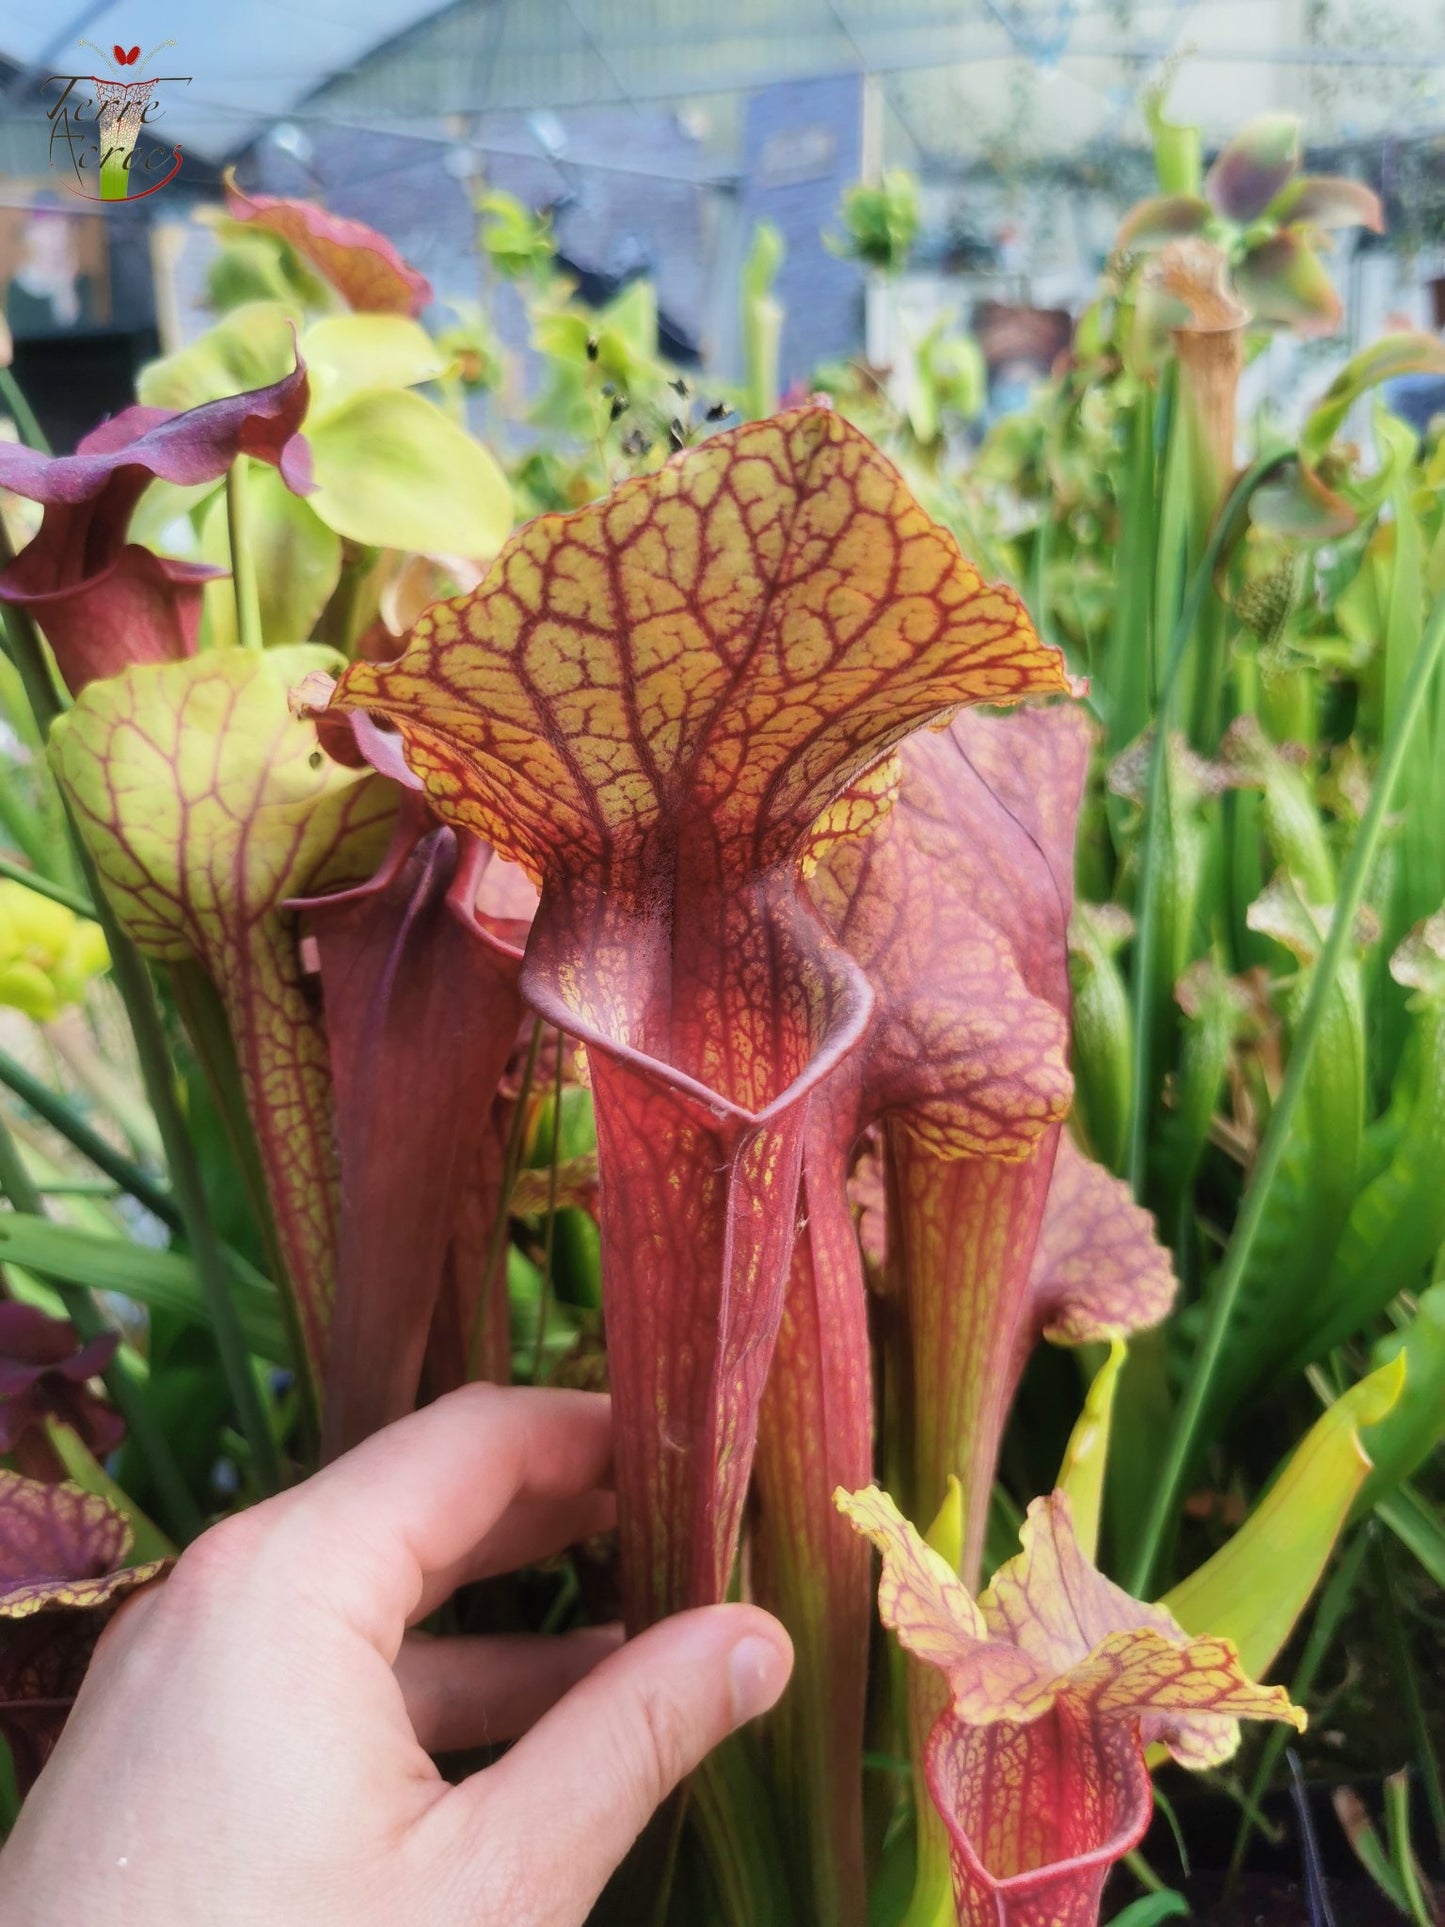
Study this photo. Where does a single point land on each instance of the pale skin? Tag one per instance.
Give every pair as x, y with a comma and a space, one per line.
252, 1743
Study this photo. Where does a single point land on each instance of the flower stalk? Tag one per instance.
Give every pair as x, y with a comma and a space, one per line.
243, 560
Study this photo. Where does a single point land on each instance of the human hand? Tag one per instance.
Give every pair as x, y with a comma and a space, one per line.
251, 1742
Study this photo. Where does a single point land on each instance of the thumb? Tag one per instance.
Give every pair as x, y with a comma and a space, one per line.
610, 1751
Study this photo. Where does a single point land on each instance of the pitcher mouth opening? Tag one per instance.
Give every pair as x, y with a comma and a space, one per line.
554, 981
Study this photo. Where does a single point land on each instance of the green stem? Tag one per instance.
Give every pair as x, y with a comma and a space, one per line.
1147, 936
13, 395
20, 823
36, 825
1397, 1831
60, 1115
29, 655
111, 1091
122, 1384
337, 622
1405, 1680
243, 560
99, 1151
1144, 1873
42, 886
1230, 1277
1416, 1526
731, 1810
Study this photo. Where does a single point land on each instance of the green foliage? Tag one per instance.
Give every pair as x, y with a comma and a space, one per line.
1404, 1439
164, 1279
951, 380
517, 241
248, 347
1150, 1909
762, 319
881, 223
1312, 607
253, 265
393, 472
298, 560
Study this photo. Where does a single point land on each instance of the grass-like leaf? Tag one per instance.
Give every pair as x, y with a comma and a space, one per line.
166, 1280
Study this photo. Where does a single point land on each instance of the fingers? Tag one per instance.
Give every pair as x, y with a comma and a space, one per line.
605, 1757
475, 1692
417, 1501
530, 1530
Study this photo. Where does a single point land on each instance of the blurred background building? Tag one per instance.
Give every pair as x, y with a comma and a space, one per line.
658, 132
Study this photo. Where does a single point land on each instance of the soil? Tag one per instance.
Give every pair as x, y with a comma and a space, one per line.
1270, 1891
1264, 1900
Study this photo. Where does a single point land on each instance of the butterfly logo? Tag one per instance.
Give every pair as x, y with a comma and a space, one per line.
124, 59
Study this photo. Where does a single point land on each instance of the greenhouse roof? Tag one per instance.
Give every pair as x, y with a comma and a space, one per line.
1032, 78
248, 63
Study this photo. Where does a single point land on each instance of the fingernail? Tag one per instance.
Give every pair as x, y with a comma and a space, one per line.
758, 1673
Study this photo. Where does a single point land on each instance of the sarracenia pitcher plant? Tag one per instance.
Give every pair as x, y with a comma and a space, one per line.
1056, 1681
650, 705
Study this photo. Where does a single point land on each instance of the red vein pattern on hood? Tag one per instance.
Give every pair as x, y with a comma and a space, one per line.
649, 704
